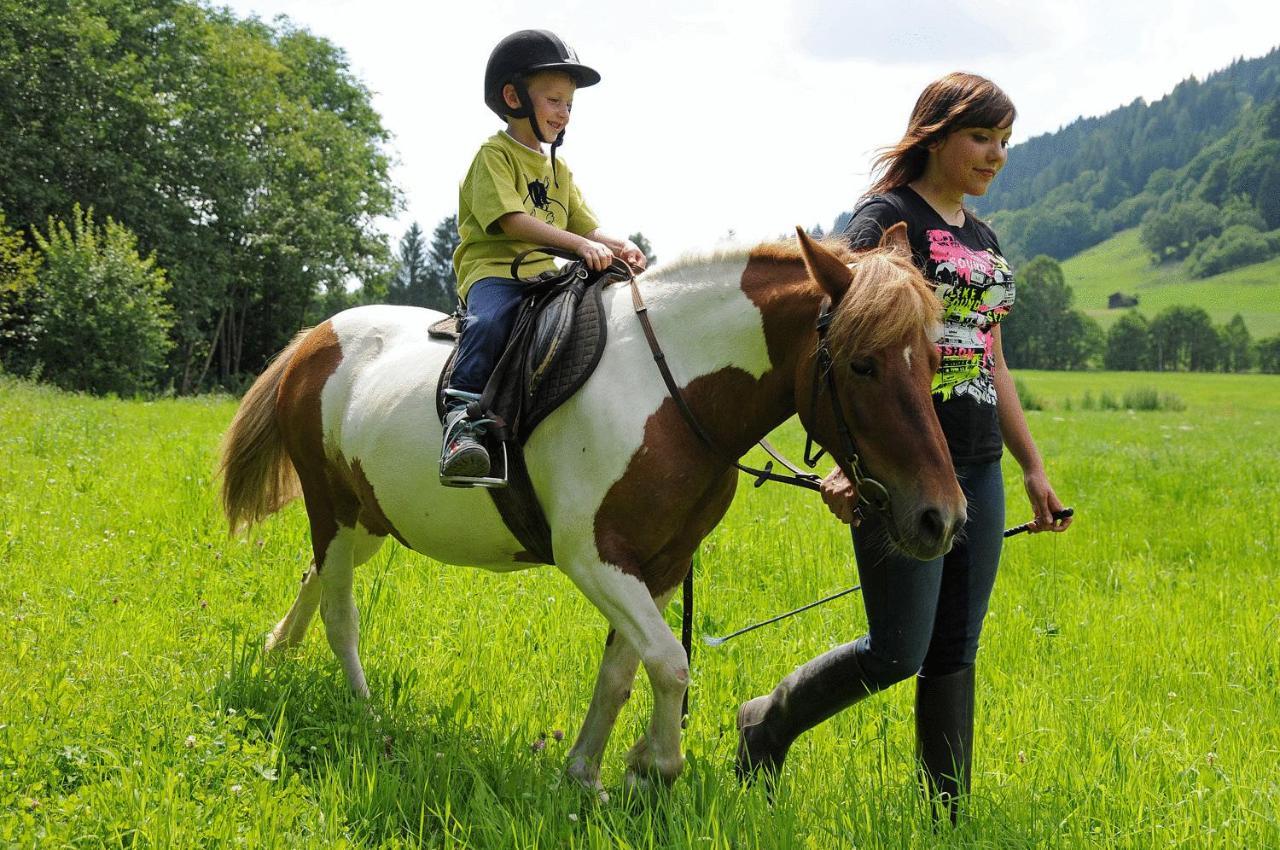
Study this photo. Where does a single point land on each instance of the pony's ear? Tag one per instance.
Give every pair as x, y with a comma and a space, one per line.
824, 267
895, 238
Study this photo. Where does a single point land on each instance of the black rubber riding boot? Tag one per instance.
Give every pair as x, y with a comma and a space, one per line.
944, 737
812, 693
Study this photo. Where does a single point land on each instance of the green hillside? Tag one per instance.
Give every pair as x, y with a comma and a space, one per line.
1122, 264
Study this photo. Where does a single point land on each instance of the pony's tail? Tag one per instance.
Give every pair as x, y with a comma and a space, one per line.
258, 477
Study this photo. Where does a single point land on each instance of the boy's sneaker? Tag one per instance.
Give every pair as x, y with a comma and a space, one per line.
461, 455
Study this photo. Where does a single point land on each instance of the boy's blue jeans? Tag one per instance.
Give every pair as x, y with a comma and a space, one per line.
492, 303
926, 616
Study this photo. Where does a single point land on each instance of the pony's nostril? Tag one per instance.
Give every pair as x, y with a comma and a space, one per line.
932, 525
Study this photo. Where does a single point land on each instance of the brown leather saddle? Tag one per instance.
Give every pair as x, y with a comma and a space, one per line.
555, 344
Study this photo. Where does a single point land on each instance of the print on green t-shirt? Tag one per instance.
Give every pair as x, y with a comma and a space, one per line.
507, 177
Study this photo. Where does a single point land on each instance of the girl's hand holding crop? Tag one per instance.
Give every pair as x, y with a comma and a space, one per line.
1044, 502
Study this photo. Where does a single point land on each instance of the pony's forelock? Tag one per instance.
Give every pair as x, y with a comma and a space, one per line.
888, 303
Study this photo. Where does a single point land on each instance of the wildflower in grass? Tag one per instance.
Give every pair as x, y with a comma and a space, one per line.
540, 744
1022, 757
1211, 757
236, 789
558, 734
189, 742
573, 817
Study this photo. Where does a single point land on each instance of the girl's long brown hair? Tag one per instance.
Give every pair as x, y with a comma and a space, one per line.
956, 101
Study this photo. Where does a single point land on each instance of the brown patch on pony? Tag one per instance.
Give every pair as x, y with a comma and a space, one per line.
693, 482
371, 515
298, 411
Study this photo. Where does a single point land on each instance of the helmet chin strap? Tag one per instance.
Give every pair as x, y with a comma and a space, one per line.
526, 111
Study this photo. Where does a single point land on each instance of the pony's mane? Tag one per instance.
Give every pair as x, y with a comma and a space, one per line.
888, 300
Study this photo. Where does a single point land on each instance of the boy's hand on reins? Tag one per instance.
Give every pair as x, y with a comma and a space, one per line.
632, 255
841, 497
596, 255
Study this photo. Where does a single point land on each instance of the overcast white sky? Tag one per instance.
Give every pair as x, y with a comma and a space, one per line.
719, 115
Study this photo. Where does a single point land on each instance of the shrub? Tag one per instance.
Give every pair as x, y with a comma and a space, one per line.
18, 266
99, 321
1030, 401
1148, 398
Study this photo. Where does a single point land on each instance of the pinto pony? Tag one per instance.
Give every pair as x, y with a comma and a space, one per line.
346, 418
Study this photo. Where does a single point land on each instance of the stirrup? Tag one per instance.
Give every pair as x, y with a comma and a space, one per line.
486, 482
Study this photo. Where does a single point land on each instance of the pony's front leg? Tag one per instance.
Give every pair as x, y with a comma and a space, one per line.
626, 604
613, 688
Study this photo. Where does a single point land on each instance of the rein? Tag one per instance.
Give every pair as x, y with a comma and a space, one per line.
823, 362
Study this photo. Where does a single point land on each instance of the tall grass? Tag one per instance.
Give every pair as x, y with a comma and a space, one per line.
1127, 680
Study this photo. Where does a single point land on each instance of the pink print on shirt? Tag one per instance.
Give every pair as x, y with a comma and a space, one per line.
976, 289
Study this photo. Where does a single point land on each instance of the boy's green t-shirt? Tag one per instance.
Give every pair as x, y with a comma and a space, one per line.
507, 177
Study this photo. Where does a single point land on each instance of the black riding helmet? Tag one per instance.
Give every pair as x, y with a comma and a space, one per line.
519, 56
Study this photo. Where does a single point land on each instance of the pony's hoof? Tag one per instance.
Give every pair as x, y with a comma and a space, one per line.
585, 776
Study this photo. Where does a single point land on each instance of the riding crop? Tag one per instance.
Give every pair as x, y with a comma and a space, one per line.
716, 641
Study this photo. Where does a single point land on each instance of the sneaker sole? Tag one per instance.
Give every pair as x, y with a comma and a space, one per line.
469, 463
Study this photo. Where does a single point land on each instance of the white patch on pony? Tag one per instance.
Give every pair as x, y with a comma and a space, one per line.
380, 407
906, 355
704, 323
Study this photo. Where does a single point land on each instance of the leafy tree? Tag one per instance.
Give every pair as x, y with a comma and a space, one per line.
99, 320
1043, 331
1237, 345
1062, 230
645, 248
1129, 344
1239, 245
1183, 338
1173, 233
245, 155
1269, 354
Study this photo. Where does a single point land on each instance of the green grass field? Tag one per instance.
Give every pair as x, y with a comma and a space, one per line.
1121, 264
1127, 682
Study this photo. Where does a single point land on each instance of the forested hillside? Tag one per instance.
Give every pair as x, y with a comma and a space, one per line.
1201, 164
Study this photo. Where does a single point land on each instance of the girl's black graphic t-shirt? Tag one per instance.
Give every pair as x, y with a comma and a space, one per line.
975, 284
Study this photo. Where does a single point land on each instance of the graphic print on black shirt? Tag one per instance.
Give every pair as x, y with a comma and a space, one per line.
976, 291
976, 287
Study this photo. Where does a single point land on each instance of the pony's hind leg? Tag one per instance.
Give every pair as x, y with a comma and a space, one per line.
349, 548
290, 631
292, 628
613, 687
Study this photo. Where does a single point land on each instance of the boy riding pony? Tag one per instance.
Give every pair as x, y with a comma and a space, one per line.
515, 197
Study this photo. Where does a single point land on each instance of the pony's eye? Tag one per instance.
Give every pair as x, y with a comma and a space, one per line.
863, 366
